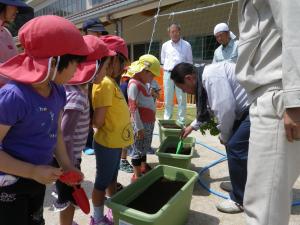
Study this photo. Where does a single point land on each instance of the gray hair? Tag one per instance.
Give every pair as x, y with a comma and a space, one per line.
177, 25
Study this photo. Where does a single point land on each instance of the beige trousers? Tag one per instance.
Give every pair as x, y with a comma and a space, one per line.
273, 163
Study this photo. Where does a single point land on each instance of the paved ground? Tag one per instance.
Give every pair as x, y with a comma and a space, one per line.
202, 210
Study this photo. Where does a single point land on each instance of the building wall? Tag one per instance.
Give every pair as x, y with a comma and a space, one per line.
197, 27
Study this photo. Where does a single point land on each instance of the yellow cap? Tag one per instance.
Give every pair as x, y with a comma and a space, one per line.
145, 62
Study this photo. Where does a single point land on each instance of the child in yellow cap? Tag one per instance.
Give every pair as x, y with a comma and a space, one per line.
142, 109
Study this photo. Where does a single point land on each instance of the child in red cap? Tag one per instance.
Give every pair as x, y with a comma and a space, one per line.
113, 129
76, 118
30, 116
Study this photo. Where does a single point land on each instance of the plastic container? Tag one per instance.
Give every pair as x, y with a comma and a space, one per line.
172, 159
165, 132
174, 212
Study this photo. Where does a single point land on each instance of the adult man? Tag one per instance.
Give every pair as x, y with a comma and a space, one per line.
228, 49
215, 85
94, 27
268, 68
173, 52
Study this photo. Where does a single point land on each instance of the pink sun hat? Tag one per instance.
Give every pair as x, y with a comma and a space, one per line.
43, 37
116, 44
87, 70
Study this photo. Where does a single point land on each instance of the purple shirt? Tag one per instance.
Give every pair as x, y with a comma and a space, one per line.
33, 120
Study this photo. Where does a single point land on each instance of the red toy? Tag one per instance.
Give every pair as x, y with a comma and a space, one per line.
78, 194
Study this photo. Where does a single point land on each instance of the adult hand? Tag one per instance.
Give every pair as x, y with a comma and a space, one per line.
292, 124
46, 174
221, 141
186, 131
140, 134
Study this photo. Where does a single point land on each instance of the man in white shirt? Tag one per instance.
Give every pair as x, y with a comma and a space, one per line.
228, 49
215, 85
173, 52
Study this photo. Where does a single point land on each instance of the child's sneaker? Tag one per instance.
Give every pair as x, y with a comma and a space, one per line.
145, 169
125, 166
103, 221
109, 216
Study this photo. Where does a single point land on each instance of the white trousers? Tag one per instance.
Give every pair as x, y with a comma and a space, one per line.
273, 163
169, 88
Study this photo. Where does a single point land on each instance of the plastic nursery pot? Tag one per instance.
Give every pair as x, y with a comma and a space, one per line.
168, 128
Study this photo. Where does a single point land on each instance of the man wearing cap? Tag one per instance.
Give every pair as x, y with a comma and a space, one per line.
94, 27
268, 68
229, 105
173, 52
228, 49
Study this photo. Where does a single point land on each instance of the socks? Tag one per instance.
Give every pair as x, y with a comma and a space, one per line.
98, 213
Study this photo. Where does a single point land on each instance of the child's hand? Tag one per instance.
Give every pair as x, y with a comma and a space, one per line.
46, 174
140, 134
72, 177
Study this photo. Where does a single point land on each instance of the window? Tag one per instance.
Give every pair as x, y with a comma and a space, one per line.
141, 49
203, 47
62, 8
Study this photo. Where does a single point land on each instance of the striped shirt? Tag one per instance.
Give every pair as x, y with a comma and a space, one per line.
77, 100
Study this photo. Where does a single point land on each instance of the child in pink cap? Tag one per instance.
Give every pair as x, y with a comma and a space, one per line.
76, 117
113, 129
30, 116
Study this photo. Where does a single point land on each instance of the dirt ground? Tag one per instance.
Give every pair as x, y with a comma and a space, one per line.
202, 209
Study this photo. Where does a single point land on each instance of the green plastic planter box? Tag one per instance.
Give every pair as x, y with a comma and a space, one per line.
177, 160
174, 212
166, 132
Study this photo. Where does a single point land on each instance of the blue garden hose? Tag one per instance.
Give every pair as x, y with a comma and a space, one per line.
216, 162
203, 170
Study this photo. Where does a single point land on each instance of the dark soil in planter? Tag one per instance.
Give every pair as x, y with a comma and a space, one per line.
184, 151
156, 195
172, 126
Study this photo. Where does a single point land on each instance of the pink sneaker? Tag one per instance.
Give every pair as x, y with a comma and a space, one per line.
103, 221
109, 216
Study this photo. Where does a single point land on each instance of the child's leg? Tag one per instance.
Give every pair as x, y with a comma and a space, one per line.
66, 216
65, 202
136, 158
148, 128
107, 166
22, 203
36, 203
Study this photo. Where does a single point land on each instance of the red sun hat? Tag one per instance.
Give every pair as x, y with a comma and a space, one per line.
42, 38
116, 44
87, 70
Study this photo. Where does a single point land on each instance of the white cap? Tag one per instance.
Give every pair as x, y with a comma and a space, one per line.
223, 27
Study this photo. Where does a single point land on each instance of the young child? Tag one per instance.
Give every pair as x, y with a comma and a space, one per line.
124, 164
142, 109
76, 118
30, 116
113, 129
